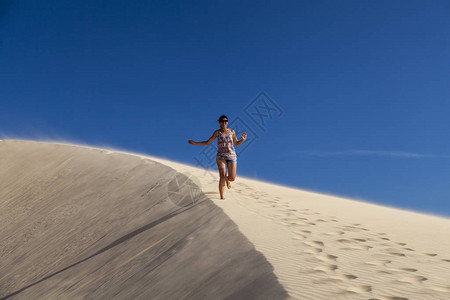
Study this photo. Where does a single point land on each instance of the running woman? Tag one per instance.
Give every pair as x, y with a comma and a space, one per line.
226, 155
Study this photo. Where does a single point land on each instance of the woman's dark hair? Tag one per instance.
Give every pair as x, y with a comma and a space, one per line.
222, 117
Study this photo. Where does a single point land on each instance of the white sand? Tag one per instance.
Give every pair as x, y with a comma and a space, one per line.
84, 223
326, 247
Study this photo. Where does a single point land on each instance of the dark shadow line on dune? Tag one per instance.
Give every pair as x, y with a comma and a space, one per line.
112, 245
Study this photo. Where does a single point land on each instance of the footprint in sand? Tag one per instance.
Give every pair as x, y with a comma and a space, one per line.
357, 247
314, 243
396, 253
351, 241
393, 251
360, 289
289, 219
408, 249
380, 262
431, 254
354, 244
294, 222
334, 233
317, 272
412, 270
313, 250
308, 212
299, 223
327, 257
269, 205
314, 260
360, 240
347, 276
406, 269
413, 279
348, 241
385, 272
326, 268
303, 234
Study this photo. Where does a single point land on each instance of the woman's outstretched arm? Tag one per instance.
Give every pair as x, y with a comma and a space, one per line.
243, 138
205, 143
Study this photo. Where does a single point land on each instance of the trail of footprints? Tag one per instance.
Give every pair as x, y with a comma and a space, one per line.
302, 223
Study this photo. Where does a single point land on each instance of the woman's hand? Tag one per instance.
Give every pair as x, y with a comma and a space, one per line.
244, 136
191, 142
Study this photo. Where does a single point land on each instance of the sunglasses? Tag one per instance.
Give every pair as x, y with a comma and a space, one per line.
223, 121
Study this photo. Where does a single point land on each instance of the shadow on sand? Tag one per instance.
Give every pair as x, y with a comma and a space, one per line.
110, 246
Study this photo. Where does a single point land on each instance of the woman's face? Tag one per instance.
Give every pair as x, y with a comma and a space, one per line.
223, 123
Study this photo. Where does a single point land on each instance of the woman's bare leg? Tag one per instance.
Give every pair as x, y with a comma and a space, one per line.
232, 166
223, 176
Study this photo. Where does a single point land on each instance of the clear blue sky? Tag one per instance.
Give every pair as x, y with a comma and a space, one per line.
363, 86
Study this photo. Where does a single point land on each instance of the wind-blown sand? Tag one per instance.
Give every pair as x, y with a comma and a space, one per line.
78, 222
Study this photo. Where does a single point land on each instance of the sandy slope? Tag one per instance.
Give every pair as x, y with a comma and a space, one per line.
80, 223
320, 246
325, 247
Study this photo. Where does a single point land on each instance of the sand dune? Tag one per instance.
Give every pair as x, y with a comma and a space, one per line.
86, 223
79, 222
326, 247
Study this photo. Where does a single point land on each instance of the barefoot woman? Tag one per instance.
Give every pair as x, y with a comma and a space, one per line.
226, 155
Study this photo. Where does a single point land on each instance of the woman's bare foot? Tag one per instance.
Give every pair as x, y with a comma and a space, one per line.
228, 184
